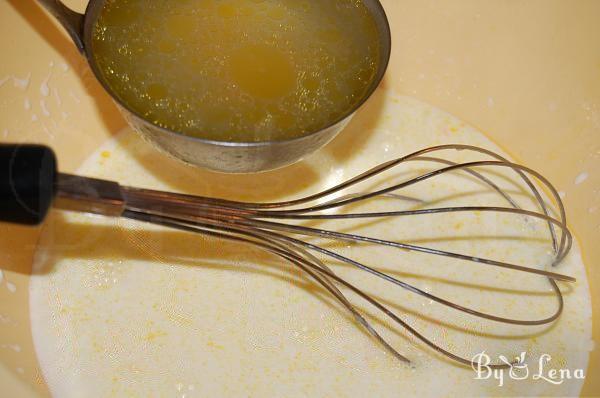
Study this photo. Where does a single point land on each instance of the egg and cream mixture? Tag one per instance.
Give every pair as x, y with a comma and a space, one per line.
125, 309
238, 70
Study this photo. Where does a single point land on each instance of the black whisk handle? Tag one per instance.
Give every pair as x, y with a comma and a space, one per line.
28, 175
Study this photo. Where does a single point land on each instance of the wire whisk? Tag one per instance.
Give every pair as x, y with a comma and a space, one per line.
268, 227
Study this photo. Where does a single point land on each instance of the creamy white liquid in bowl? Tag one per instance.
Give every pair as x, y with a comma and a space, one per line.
121, 308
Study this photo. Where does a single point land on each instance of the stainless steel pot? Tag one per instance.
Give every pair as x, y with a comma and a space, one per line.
229, 157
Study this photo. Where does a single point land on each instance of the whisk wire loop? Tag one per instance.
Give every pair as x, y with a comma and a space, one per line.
262, 225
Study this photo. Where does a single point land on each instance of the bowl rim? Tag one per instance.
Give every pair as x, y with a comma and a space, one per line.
90, 16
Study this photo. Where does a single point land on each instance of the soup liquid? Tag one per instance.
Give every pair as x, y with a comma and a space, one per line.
238, 70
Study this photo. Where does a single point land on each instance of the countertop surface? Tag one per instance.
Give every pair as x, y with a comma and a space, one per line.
527, 73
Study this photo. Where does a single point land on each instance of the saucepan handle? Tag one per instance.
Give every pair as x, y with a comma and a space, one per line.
72, 21
28, 175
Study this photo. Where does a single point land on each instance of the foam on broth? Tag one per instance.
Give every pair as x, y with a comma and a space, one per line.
238, 70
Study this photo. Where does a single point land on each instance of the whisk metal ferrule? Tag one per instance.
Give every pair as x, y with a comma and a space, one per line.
89, 195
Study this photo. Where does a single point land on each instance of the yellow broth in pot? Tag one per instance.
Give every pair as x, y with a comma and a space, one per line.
238, 70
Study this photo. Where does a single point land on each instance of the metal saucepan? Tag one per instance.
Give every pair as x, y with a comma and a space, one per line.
229, 157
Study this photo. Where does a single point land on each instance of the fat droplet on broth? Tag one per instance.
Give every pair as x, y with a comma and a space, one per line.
238, 70
182, 27
262, 71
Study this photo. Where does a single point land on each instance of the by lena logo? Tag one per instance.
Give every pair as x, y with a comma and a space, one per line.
520, 370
